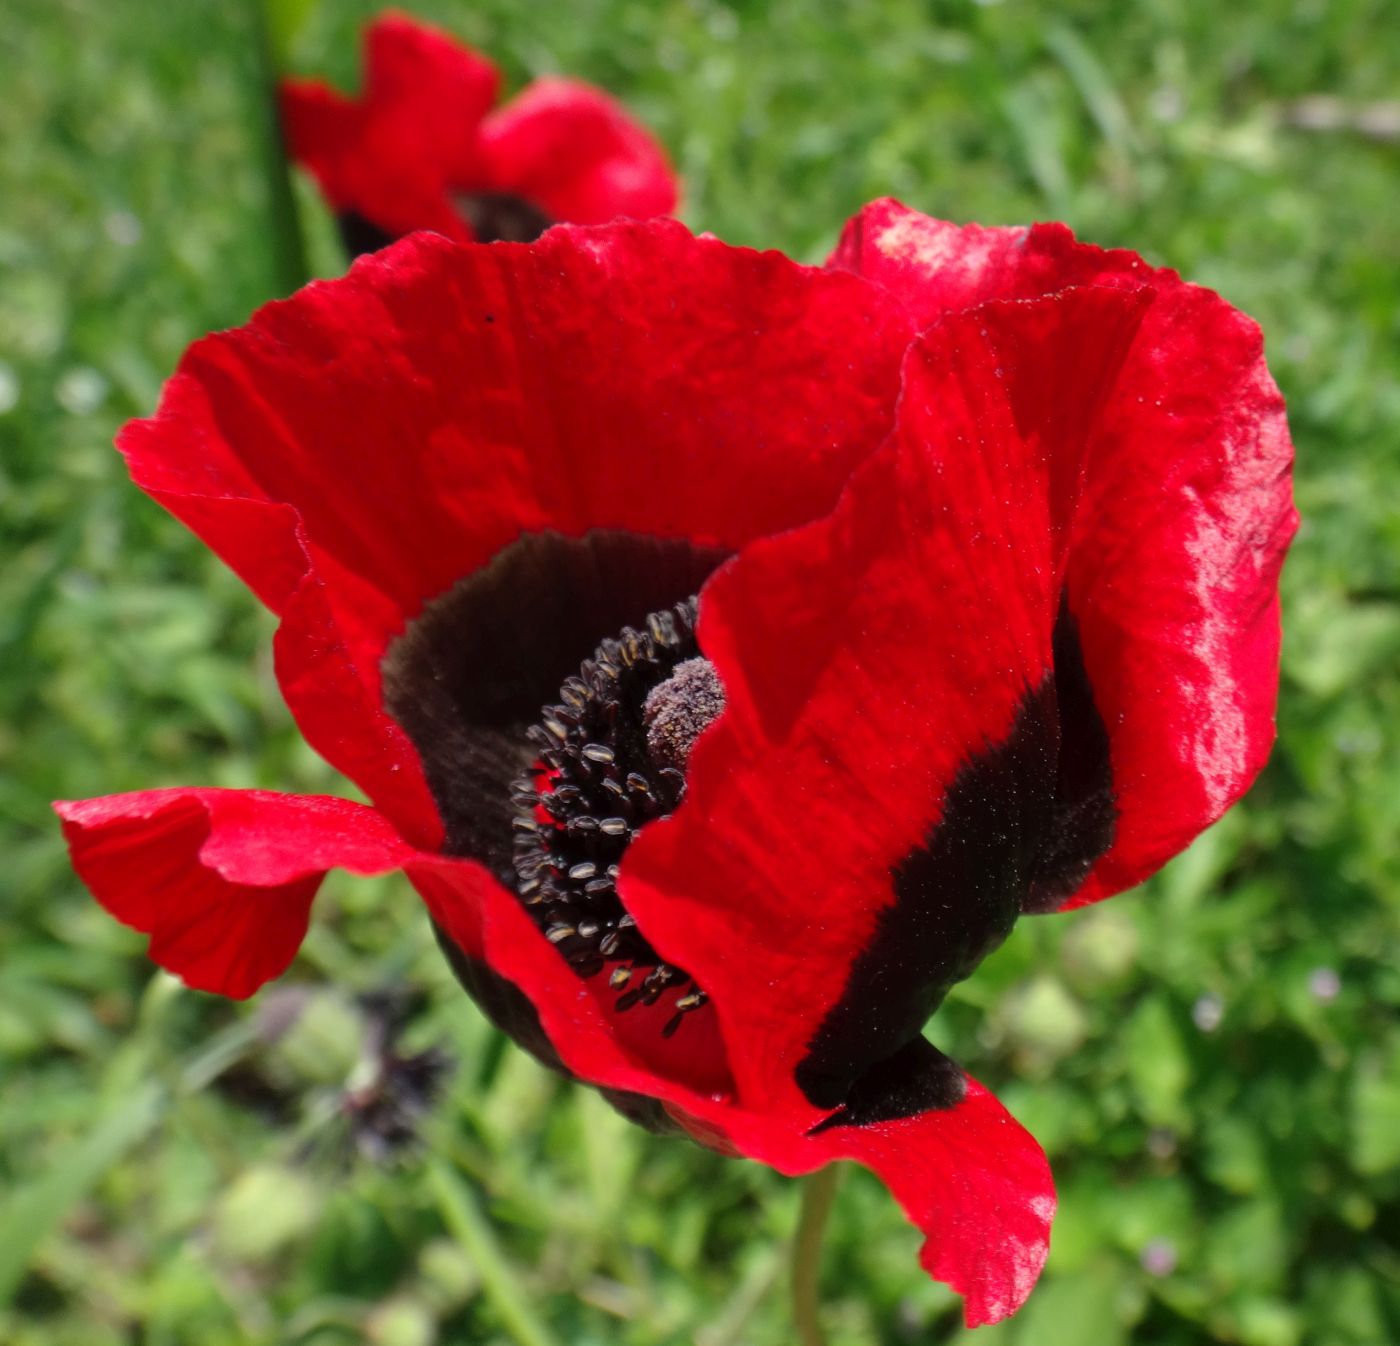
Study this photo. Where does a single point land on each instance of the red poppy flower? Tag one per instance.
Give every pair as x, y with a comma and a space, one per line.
422, 148
985, 528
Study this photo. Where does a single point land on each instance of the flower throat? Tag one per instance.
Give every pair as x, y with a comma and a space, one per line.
610, 757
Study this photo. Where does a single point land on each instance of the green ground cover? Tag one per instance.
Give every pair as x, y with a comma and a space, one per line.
1213, 1063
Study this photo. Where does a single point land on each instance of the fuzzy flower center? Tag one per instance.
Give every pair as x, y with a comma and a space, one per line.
610, 757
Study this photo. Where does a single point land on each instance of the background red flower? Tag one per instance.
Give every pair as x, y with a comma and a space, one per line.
424, 147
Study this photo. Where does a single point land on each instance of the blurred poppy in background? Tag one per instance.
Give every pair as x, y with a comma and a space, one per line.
425, 147
731, 651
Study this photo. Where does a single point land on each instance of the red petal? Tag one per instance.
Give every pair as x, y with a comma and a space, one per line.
874, 664
335, 453
222, 880
329, 674
392, 155
968, 1176
1187, 514
977, 1185
576, 152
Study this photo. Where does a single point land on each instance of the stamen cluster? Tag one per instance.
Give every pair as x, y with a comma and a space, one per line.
594, 784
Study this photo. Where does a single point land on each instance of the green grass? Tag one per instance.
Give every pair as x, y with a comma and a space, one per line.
146, 1197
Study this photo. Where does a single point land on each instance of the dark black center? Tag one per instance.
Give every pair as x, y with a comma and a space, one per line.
499, 217
494, 217
609, 758
466, 680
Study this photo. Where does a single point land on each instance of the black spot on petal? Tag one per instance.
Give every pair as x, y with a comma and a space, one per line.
917, 1078
1023, 823
1085, 814
502, 1001
508, 1007
955, 899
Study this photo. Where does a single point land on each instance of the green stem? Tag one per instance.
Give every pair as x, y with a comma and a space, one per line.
288, 252
818, 1192
469, 1227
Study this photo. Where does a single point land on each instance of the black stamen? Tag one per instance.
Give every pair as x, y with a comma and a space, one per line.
609, 757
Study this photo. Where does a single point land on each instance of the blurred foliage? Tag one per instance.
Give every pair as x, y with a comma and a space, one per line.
1213, 1062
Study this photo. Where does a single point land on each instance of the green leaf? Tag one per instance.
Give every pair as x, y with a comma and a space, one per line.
1072, 1310
265, 1210
34, 1211
1375, 1117
464, 1220
1353, 643
1094, 85
1158, 1064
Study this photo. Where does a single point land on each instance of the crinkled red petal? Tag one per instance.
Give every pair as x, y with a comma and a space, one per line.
979, 1187
1187, 513
357, 449
221, 880
871, 661
578, 154
968, 1176
393, 154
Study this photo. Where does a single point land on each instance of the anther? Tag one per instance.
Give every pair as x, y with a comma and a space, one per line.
606, 759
